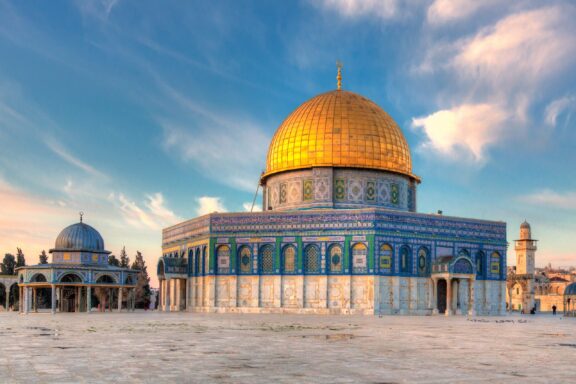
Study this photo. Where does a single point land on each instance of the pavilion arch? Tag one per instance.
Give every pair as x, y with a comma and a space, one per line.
289, 259
106, 279
38, 278
71, 277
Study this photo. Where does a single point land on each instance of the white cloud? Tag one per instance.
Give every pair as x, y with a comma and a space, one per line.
247, 206
231, 150
496, 77
556, 107
354, 8
469, 128
58, 149
209, 204
447, 11
550, 198
154, 215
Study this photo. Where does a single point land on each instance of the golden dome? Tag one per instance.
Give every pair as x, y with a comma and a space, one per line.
339, 129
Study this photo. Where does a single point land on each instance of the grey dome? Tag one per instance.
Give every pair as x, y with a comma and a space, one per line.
570, 289
79, 237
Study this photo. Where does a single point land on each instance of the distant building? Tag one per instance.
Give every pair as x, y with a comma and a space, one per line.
530, 287
339, 232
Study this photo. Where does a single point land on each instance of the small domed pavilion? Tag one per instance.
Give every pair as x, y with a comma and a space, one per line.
570, 300
79, 271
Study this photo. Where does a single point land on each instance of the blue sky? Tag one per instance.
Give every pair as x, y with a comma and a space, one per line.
145, 113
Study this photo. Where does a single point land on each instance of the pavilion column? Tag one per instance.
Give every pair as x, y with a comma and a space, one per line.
471, 301
53, 301
26, 299
434, 296
88, 299
448, 296
168, 292
34, 304
7, 297
78, 292
120, 300
20, 299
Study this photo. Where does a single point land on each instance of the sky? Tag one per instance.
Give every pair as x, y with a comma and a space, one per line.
143, 114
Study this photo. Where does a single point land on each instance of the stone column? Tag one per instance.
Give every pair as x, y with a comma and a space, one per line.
434, 296
89, 299
7, 296
471, 301
120, 299
168, 295
448, 296
187, 298
53, 306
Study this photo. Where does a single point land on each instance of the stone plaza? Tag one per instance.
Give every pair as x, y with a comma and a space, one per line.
154, 347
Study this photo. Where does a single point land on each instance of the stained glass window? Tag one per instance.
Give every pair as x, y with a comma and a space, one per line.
495, 263
289, 259
311, 259
335, 258
223, 259
480, 263
385, 258
405, 259
422, 261
267, 259
245, 259
359, 258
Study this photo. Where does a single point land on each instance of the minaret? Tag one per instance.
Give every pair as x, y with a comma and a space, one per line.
525, 251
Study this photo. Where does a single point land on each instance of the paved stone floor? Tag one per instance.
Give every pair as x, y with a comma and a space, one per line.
230, 348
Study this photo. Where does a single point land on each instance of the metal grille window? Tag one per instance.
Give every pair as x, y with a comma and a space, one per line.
311, 262
335, 259
289, 259
223, 259
359, 258
245, 260
267, 259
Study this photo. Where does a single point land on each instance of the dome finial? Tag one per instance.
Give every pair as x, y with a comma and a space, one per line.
339, 65
81, 214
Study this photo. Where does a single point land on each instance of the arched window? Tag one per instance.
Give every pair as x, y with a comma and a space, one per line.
289, 259
405, 259
495, 263
423, 261
335, 254
245, 259
385, 258
266, 259
197, 262
205, 261
223, 259
359, 258
311, 259
480, 263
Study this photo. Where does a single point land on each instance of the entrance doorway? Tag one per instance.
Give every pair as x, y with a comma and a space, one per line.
441, 296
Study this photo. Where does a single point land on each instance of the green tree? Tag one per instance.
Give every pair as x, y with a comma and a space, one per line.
142, 291
43, 257
124, 259
112, 260
8, 264
20, 259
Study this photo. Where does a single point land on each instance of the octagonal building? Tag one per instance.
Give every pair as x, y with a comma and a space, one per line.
339, 232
